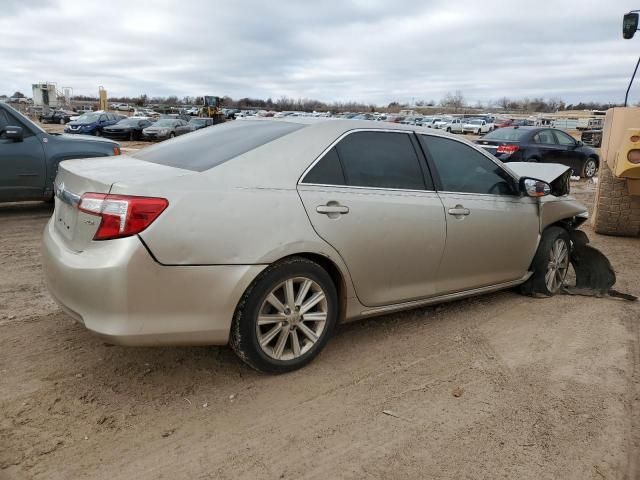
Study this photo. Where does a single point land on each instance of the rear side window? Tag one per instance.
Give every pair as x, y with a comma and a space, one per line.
327, 171
545, 137
380, 160
463, 169
209, 147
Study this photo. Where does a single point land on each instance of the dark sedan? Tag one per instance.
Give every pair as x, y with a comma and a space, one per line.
540, 144
193, 125
57, 116
127, 129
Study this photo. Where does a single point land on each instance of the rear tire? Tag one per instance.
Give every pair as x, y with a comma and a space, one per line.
61, 121
287, 337
97, 133
615, 211
550, 264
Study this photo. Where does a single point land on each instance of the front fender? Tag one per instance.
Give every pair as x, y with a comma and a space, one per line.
554, 210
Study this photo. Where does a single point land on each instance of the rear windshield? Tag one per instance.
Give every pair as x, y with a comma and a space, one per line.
506, 134
209, 147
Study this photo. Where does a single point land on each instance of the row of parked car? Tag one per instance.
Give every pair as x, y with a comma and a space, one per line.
113, 125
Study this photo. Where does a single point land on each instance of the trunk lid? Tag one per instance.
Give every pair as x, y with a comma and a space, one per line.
76, 177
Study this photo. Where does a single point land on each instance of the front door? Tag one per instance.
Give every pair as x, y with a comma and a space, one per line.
22, 164
492, 231
370, 199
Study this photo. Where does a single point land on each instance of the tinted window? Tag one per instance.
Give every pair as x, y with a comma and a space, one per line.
545, 136
564, 139
3, 120
208, 147
380, 159
327, 171
463, 169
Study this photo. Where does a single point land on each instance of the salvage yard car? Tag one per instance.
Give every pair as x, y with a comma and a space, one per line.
477, 126
266, 233
193, 125
127, 129
56, 116
163, 129
29, 156
92, 123
544, 145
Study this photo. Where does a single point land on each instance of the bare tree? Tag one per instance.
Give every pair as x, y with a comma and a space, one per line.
455, 100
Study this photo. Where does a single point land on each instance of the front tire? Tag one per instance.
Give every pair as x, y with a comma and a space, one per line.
550, 264
285, 317
589, 168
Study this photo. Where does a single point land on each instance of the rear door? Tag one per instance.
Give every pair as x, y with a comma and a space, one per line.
368, 196
492, 231
22, 163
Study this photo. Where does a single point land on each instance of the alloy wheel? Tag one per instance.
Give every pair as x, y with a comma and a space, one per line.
558, 265
292, 318
590, 168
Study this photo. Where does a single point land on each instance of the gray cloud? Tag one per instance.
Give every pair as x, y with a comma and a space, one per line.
364, 50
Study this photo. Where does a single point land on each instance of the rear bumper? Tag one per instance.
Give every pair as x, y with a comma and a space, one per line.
117, 290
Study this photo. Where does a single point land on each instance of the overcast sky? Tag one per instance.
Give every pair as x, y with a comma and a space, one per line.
364, 50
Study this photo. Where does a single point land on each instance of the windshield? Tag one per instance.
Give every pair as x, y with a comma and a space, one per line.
165, 122
506, 134
128, 122
476, 122
88, 118
209, 147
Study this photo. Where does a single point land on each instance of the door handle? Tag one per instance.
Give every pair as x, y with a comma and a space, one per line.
459, 210
332, 209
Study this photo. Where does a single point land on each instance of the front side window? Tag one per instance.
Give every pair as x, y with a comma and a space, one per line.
564, 139
380, 160
463, 169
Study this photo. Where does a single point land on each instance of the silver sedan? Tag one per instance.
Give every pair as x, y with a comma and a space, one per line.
264, 234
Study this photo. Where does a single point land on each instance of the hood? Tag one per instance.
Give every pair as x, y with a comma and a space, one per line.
556, 175
80, 124
547, 172
85, 138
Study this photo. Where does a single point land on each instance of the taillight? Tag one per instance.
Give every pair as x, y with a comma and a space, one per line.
121, 215
508, 149
634, 156
116, 151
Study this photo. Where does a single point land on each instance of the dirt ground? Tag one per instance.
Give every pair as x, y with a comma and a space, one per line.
499, 386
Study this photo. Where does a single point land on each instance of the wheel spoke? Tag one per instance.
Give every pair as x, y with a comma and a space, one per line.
302, 293
548, 277
312, 302
289, 295
282, 340
314, 317
270, 335
310, 334
265, 319
277, 304
562, 255
295, 343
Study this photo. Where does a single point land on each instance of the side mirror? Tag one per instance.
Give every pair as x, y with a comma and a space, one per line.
534, 188
629, 25
579, 143
13, 133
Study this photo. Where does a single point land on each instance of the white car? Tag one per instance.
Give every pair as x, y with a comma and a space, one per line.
441, 122
454, 125
477, 126
123, 107
430, 122
193, 111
